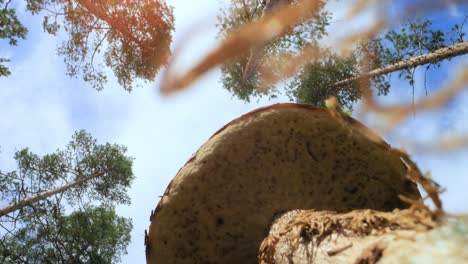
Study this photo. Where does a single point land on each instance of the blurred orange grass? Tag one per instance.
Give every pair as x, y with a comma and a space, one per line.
258, 33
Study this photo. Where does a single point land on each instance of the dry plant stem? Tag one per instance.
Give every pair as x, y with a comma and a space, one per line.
310, 52
358, 7
350, 41
446, 143
252, 35
340, 249
453, 142
256, 52
416, 204
413, 172
433, 102
395, 114
431, 188
457, 216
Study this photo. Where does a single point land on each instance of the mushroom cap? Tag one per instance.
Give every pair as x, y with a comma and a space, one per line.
220, 205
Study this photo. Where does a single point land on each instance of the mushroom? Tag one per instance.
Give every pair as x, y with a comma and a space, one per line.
220, 205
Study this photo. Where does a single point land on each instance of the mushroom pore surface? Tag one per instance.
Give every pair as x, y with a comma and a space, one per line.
220, 205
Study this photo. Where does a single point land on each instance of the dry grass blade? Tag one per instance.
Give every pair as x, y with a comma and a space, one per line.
432, 189
446, 143
259, 32
254, 34
395, 114
350, 41
359, 6
433, 102
289, 68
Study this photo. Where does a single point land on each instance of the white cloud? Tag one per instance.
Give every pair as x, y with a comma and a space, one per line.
454, 10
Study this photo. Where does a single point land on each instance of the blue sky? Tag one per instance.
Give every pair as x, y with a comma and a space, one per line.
41, 108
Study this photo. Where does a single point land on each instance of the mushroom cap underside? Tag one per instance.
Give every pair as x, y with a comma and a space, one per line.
220, 205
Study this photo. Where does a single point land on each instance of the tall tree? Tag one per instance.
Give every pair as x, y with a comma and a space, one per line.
320, 78
77, 224
136, 36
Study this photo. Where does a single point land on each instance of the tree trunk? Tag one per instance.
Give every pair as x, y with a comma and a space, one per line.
45, 194
435, 56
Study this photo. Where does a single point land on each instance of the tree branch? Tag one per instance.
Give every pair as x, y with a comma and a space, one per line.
438, 55
45, 194
100, 13
6, 5
98, 45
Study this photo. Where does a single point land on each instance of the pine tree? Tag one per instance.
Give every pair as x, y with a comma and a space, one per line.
62, 204
132, 37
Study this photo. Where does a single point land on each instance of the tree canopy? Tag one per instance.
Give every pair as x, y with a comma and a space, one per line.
132, 37
78, 224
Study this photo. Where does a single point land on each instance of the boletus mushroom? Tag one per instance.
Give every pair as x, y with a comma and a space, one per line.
220, 205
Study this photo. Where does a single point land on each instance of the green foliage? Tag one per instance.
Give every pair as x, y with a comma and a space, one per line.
237, 15
10, 29
78, 225
88, 158
313, 83
310, 85
4, 70
415, 38
233, 81
94, 235
132, 37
